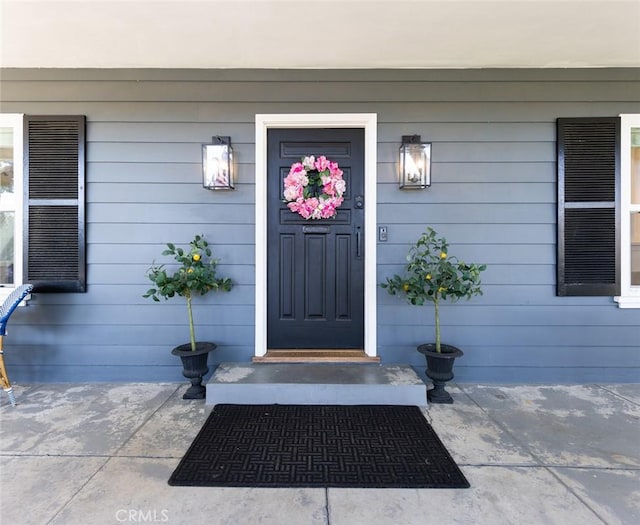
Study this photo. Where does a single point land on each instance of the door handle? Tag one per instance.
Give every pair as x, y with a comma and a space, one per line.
358, 242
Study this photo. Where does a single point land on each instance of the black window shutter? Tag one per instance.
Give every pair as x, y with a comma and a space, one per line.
54, 219
588, 206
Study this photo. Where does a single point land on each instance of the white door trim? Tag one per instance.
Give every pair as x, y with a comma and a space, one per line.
368, 121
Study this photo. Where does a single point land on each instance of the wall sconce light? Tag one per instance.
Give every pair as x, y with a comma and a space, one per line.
217, 164
415, 163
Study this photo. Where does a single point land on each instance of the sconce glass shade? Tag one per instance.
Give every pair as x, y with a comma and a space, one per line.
217, 164
415, 163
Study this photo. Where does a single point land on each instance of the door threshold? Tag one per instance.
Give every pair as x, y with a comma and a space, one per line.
314, 355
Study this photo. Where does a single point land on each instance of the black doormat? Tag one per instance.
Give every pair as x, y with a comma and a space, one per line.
318, 446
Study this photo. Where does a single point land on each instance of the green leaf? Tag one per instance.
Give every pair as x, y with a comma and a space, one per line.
457, 278
189, 276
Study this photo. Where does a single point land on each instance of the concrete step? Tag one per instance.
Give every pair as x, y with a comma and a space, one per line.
316, 383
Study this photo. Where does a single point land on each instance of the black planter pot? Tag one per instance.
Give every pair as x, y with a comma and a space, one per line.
439, 370
194, 367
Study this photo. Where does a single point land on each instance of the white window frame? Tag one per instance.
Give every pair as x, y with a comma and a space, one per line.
15, 202
629, 295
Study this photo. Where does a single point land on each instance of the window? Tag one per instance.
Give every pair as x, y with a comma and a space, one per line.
630, 211
42, 203
588, 210
10, 202
599, 208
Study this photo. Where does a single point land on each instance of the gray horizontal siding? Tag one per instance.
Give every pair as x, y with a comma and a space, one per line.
182, 132
219, 113
460, 152
83, 336
210, 311
292, 91
493, 197
189, 173
125, 294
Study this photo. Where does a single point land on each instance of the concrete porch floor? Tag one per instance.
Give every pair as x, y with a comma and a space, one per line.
102, 454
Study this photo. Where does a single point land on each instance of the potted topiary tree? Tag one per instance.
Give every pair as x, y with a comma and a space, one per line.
432, 276
194, 275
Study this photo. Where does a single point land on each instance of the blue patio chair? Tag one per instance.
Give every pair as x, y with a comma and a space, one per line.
7, 308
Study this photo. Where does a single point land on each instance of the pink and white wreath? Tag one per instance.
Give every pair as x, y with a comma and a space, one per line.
314, 188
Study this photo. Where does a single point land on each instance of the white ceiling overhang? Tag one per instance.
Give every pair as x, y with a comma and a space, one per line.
319, 34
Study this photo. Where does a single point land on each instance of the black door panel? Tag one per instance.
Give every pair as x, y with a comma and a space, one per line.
315, 274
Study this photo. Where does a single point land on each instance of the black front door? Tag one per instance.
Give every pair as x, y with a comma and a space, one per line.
315, 268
